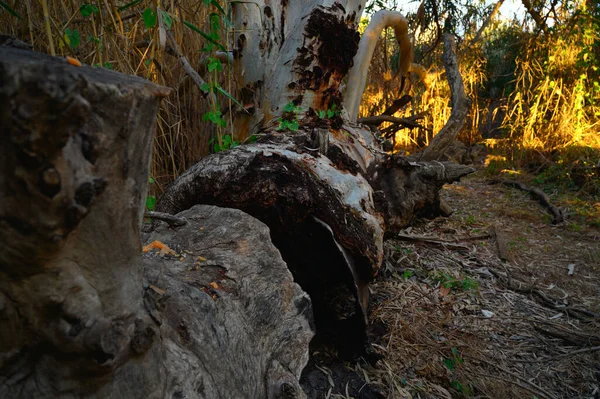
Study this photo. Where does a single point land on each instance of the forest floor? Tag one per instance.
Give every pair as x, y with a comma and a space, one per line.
492, 302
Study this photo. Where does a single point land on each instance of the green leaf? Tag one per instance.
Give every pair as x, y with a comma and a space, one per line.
289, 107
214, 117
456, 385
322, 114
126, 6
108, 65
205, 87
149, 17
294, 126
252, 139
150, 202
167, 20
450, 364
88, 9
93, 39
214, 64
10, 10
72, 38
204, 35
151, 180
229, 96
215, 25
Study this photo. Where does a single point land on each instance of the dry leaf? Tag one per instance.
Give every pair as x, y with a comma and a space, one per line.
163, 248
444, 291
159, 291
214, 285
73, 61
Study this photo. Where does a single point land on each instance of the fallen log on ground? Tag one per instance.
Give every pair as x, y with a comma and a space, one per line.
212, 312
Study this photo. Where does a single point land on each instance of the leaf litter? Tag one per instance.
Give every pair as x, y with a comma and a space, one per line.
492, 302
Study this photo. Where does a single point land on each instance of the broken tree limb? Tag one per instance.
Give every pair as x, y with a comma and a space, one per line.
539, 195
74, 161
287, 190
232, 321
460, 106
409, 122
173, 221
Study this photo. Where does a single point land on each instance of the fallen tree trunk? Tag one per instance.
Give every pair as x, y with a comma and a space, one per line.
327, 213
213, 312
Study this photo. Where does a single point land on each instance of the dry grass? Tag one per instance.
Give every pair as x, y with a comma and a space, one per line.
550, 108
120, 41
489, 337
555, 103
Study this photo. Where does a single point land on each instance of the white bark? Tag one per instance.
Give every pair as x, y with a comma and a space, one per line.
357, 77
268, 66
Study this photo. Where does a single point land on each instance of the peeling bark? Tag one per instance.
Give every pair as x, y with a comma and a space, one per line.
292, 52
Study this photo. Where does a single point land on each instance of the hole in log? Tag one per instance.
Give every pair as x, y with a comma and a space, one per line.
320, 269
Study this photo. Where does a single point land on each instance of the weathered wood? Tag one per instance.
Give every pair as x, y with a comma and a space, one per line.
287, 190
232, 322
215, 313
296, 51
327, 214
74, 159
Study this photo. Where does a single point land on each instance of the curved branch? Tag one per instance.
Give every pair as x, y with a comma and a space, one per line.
357, 76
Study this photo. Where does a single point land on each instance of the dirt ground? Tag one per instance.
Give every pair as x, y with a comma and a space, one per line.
492, 302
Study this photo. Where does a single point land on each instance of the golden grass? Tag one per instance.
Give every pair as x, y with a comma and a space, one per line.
555, 103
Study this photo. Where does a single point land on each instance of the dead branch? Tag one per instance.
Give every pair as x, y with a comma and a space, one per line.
406, 122
539, 195
519, 286
397, 104
173, 221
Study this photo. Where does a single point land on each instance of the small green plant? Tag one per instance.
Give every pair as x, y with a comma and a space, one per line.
448, 281
330, 113
407, 274
150, 199
227, 143
401, 250
451, 364
453, 361
289, 120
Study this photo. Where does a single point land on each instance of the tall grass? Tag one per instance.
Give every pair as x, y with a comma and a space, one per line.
114, 36
542, 92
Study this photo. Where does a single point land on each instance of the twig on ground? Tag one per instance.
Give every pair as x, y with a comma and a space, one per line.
431, 240
173, 221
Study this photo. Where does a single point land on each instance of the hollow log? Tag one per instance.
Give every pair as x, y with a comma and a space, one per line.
328, 197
